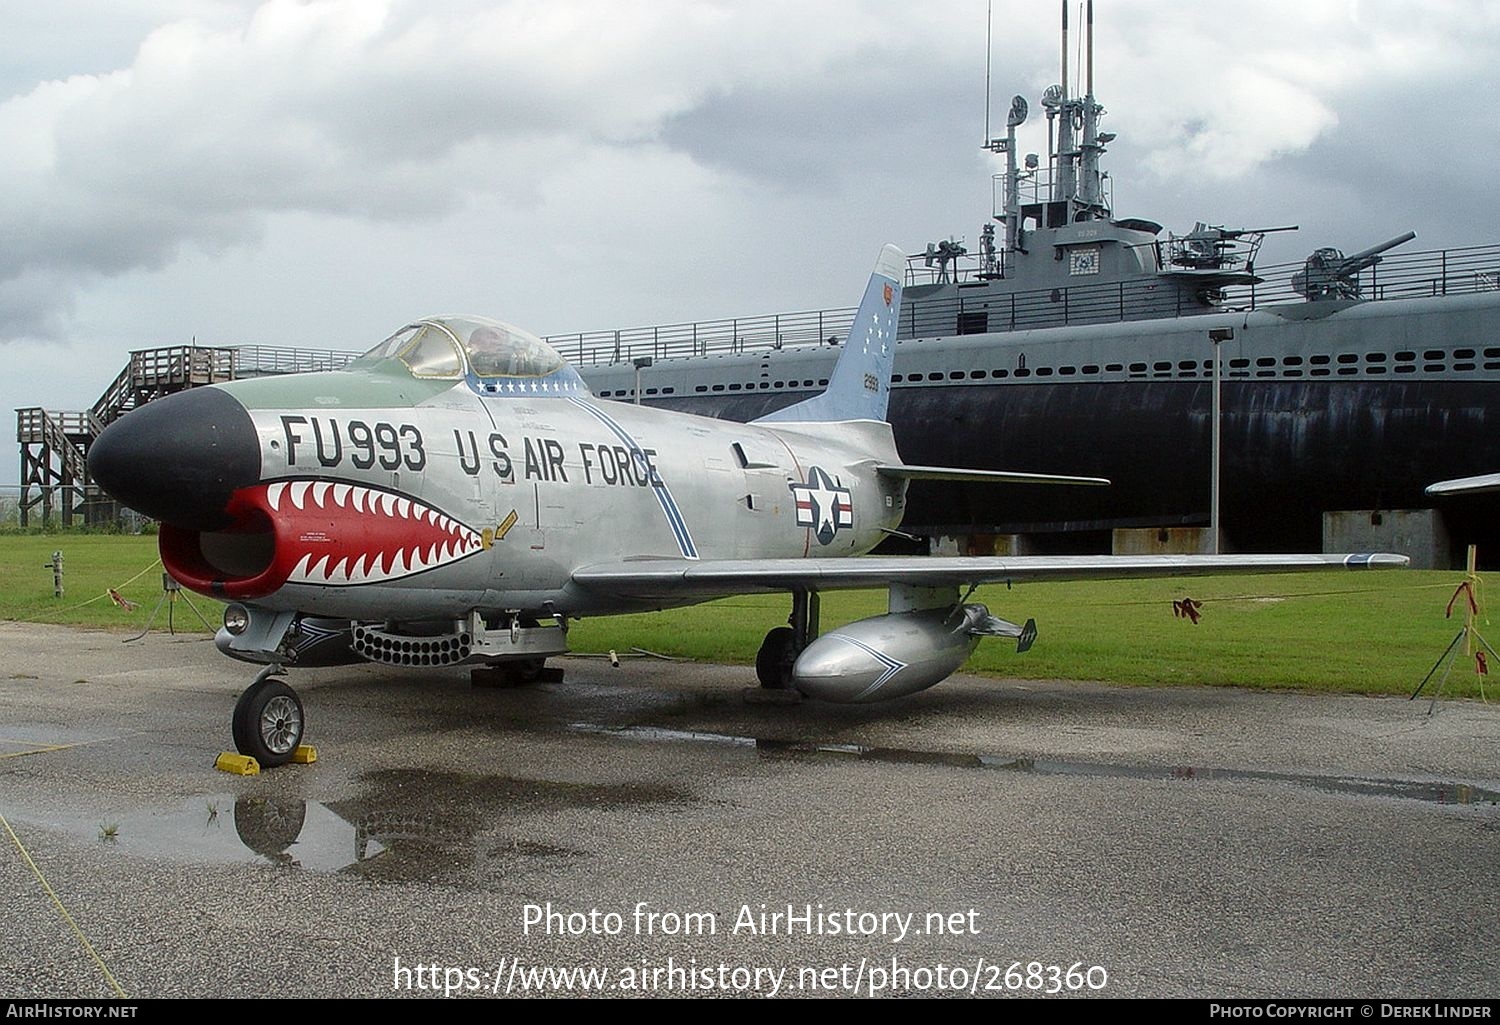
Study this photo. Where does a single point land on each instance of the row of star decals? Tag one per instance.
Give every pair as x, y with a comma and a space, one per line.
516, 387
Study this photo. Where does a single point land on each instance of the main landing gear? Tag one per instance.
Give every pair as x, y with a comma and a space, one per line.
773, 663
268, 719
514, 672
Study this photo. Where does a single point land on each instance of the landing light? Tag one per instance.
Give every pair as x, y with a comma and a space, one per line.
236, 619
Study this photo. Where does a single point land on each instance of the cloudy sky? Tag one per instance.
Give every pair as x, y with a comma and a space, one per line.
318, 173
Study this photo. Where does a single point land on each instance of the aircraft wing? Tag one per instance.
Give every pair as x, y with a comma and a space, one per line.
1466, 485
677, 578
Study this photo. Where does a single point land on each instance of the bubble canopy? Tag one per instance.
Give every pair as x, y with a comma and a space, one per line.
451, 347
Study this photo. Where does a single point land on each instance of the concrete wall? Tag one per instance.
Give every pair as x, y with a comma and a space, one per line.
981, 544
1418, 533
1163, 541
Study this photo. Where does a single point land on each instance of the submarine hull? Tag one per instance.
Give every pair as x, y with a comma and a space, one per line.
1359, 409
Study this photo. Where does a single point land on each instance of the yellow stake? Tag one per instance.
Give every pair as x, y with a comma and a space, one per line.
1473, 580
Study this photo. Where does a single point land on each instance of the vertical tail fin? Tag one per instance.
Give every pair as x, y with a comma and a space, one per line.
860, 386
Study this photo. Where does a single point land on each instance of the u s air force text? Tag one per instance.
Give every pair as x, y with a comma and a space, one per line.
313, 442
749, 920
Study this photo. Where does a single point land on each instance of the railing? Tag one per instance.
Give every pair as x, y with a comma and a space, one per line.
29, 425
32, 424
270, 359
38, 426
1037, 188
740, 334
116, 399
182, 364
1396, 276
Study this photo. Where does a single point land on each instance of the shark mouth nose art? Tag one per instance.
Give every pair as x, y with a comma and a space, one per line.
317, 533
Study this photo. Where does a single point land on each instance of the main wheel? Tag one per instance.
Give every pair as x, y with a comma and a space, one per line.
773, 662
268, 722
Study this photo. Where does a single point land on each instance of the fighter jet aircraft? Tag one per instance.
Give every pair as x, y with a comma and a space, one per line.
457, 496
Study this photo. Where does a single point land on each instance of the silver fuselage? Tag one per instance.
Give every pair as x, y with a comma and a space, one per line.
547, 484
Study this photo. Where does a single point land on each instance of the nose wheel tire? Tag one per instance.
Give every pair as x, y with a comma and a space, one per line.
269, 827
268, 722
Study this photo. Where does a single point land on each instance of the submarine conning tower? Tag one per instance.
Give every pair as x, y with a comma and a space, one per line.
1059, 231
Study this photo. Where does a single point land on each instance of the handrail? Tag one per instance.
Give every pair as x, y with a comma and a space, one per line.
271, 359
1397, 275
35, 425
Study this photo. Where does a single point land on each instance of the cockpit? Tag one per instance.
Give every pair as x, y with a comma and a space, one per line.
495, 357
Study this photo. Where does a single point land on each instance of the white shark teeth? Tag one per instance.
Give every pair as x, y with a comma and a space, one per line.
373, 567
439, 541
323, 494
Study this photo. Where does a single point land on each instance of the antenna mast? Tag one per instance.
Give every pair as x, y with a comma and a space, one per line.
989, 50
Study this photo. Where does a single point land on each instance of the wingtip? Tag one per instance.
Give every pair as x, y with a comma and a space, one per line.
1376, 560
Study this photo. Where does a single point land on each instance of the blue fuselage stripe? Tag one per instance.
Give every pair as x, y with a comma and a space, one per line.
658, 486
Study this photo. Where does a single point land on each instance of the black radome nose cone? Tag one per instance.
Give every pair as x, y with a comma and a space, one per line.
179, 458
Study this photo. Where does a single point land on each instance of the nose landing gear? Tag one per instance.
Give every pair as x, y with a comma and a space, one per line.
268, 719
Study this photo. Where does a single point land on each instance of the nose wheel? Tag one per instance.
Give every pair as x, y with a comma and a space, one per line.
268, 720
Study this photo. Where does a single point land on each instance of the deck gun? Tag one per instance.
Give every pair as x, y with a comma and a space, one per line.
1329, 274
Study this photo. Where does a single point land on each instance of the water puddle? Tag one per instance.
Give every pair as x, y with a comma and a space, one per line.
1432, 792
221, 829
408, 824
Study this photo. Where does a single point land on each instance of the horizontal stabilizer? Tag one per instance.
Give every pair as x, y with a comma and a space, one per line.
984, 476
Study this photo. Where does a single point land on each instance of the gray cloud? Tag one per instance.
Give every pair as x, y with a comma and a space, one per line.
170, 129
347, 107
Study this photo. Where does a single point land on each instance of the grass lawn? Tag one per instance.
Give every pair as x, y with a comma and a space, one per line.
1374, 633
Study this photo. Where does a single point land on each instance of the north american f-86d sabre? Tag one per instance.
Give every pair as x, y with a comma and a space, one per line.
456, 495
